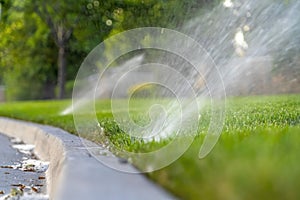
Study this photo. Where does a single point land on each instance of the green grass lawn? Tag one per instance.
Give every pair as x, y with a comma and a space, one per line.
257, 156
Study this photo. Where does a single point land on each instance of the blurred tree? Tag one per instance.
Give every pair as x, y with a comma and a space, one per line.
43, 42
4, 4
25, 57
31, 47
62, 18
128, 14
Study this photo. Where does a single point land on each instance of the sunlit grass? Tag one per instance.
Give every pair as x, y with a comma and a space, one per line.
257, 156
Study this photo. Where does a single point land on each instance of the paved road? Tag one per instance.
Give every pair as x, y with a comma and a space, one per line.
10, 178
75, 174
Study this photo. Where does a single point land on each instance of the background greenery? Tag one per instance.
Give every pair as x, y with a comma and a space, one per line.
43, 43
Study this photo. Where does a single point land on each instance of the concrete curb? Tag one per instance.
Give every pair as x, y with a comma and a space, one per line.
73, 173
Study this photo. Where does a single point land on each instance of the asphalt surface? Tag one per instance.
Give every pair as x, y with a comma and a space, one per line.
14, 178
73, 173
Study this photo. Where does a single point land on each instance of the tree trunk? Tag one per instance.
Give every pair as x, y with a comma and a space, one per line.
62, 65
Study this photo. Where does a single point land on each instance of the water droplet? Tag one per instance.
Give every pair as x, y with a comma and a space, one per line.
248, 14
108, 22
246, 28
89, 6
96, 3
228, 4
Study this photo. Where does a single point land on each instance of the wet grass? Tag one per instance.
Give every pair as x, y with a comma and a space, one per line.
257, 156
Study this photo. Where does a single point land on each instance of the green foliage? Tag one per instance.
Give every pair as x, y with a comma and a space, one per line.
125, 15
32, 32
28, 51
26, 59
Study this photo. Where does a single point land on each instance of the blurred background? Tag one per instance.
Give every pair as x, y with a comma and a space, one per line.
43, 43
